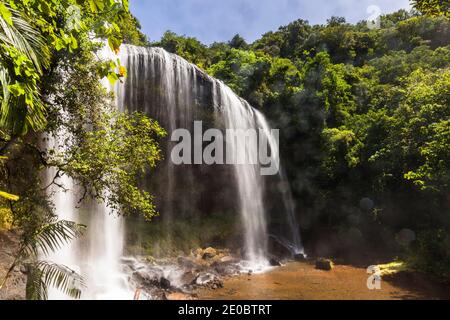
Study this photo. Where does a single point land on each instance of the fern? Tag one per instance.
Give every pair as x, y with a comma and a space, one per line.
51, 237
44, 274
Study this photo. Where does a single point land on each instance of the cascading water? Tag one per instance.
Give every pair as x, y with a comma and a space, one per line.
65, 210
176, 93
240, 115
96, 256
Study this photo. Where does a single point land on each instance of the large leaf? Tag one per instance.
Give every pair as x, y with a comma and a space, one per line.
43, 275
8, 196
52, 237
20, 112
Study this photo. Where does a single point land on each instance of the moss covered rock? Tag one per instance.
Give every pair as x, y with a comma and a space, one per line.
324, 264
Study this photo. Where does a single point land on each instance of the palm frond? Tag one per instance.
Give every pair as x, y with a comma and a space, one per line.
24, 37
15, 113
51, 237
43, 275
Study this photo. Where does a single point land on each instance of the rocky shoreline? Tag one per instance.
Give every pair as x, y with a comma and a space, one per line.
179, 278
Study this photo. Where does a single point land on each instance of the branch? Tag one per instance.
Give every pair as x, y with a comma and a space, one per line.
53, 182
39, 152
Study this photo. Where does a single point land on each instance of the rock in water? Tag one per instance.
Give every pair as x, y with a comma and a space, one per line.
165, 283
299, 257
274, 263
204, 279
324, 264
147, 278
209, 280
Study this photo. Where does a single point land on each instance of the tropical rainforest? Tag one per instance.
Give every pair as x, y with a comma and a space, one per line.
364, 113
365, 125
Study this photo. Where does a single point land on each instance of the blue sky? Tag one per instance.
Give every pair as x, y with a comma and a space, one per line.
220, 20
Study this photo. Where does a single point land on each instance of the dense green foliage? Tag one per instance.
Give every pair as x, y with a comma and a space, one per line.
364, 117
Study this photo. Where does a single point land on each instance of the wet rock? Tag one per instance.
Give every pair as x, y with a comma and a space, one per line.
277, 249
164, 283
226, 268
299, 257
227, 259
188, 278
209, 253
204, 278
274, 262
324, 264
216, 284
209, 280
147, 278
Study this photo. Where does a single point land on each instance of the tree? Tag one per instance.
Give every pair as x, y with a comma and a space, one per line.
25, 55
238, 42
432, 7
50, 82
189, 48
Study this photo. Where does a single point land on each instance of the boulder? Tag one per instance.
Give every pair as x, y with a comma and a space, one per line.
299, 257
324, 264
277, 249
204, 279
226, 268
209, 253
147, 278
274, 262
164, 283
209, 280
227, 259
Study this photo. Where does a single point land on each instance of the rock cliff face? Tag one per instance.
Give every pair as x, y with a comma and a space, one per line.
178, 94
14, 288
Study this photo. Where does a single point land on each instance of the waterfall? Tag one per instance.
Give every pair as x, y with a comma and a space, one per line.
96, 256
176, 93
65, 210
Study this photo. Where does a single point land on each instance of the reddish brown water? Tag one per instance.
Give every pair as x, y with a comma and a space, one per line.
298, 281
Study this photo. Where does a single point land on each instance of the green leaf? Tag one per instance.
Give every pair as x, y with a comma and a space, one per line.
8, 196
112, 77
16, 89
6, 14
